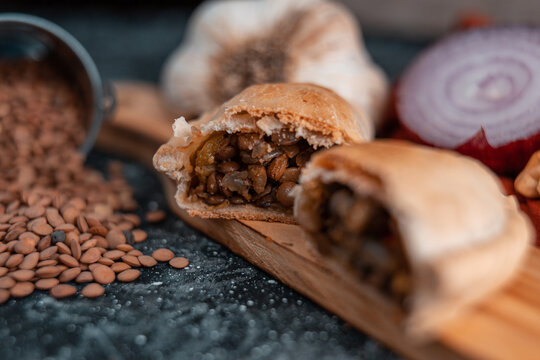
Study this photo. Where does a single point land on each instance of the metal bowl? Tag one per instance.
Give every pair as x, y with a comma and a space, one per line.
30, 37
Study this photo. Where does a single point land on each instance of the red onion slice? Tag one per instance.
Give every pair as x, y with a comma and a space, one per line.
481, 81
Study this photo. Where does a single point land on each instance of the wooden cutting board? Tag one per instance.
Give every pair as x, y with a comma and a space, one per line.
505, 326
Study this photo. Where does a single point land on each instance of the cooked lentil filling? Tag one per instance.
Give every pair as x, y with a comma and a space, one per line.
252, 168
361, 233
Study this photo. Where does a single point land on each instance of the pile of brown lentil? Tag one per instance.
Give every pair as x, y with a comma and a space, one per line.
60, 222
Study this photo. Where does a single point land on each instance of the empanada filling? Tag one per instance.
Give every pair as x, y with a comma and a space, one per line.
249, 168
360, 233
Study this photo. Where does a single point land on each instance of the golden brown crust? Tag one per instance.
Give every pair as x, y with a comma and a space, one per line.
450, 212
311, 109
317, 114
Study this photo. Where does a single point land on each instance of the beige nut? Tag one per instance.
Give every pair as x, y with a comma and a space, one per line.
528, 181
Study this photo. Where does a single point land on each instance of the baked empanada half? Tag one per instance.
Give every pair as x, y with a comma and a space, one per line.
427, 230
242, 160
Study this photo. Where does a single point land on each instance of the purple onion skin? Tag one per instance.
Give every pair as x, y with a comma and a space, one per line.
492, 111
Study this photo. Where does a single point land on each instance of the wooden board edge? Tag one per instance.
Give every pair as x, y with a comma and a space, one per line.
317, 283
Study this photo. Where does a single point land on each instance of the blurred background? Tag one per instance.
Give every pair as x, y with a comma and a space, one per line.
131, 39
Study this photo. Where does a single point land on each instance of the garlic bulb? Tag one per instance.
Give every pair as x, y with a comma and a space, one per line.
232, 44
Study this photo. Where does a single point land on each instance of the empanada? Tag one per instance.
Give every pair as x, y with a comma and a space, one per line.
242, 160
425, 228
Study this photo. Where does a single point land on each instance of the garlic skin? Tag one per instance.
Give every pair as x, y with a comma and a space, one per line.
232, 44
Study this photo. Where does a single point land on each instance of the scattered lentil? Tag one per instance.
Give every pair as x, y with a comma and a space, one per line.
147, 261
155, 216
63, 290
179, 262
163, 255
128, 275
59, 220
103, 274
92, 291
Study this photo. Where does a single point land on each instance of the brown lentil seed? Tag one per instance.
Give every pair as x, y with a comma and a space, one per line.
284, 194
14, 260
44, 243
6, 282
29, 236
147, 261
3, 271
179, 262
22, 289
105, 261
46, 272
163, 255
155, 216
30, 261
291, 174
42, 229
277, 167
91, 255
62, 291
88, 244
92, 291
49, 262
69, 274
114, 254
101, 241
124, 247
35, 211
135, 253
22, 275
139, 235
13, 234
63, 248
98, 230
76, 249
131, 260
128, 275
70, 214
119, 267
84, 277
53, 217
68, 260
25, 246
85, 237
11, 245
82, 224
93, 222
65, 227
18, 219
48, 253
3, 258
71, 237
46, 284
103, 274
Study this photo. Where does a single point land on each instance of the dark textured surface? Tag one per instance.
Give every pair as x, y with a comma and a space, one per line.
220, 307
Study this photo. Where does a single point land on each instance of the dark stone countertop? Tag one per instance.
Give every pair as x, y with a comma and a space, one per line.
220, 307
